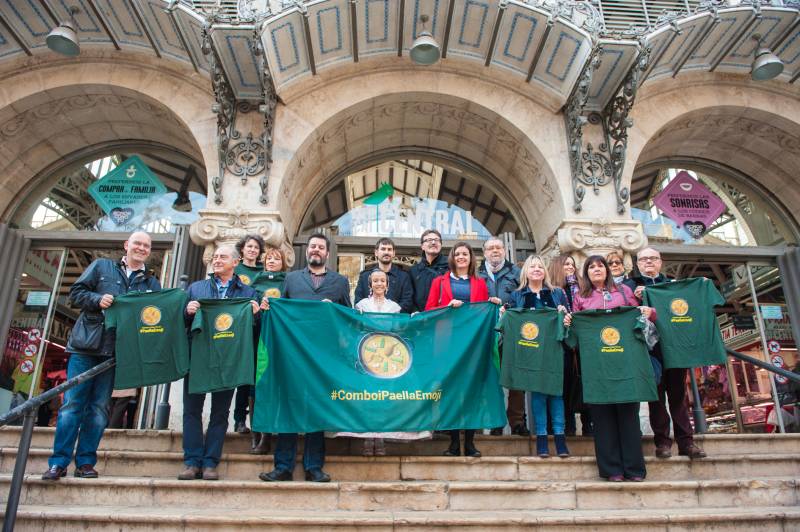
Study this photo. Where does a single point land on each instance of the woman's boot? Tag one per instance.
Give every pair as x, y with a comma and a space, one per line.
262, 447
469, 444
541, 446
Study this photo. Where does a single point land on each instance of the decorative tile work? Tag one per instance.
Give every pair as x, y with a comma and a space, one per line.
28, 19
507, 47
462, 39
288, 29
431, 24
163, 30
128, 28
193, 34
786, 46
239, 53
371, 39
751, 44
612, 70
561, 38
728, 24
321, 29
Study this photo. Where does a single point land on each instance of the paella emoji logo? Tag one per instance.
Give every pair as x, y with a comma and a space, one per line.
244, 278
384, 355
529, 330
150, 315
223, 322
679, 307
272, 292
610, 336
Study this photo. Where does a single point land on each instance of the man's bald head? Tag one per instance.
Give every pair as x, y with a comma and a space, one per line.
649, 262
137, 249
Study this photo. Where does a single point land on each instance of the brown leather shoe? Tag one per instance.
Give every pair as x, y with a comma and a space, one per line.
262, 447
662, 451
190, 473
86, 471
693, 452
54, 473
210, 473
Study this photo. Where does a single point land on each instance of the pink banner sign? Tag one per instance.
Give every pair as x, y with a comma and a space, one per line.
690, 204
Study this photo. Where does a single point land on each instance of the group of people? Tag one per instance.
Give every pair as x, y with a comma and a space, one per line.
259, 272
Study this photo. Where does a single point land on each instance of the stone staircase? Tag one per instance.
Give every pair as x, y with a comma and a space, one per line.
748, 482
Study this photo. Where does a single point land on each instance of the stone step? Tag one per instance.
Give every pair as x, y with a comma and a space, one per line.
394, 468
189, 517
409, 496
166, 441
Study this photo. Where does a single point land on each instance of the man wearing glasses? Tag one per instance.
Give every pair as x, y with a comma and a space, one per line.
431, 265
672, 388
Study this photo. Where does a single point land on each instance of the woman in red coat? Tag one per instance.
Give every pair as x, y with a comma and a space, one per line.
460, 285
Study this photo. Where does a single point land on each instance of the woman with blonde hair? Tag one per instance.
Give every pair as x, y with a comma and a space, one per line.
536, 292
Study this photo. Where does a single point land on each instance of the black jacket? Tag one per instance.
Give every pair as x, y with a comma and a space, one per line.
103, 276
506, 280
641, 280
422, 275
336, 287
400, 289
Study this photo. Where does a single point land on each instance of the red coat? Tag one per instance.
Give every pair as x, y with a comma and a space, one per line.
441, 293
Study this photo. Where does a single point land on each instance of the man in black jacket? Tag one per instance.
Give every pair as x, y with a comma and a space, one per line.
314, 283
85, 408
400, 289
672, 388
431, 265
201, 456
502, 278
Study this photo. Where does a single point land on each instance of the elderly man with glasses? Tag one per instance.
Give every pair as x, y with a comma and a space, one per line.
672, 388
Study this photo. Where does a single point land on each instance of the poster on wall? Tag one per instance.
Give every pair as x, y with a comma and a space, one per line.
690, 204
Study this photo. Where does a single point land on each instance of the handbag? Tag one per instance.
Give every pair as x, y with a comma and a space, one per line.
87, 333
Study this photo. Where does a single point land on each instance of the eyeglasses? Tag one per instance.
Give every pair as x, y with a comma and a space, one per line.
615, 263
648, 259
431, 240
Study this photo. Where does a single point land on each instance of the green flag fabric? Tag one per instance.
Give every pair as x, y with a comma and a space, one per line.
533, 357
222, 345
150, 345
615, 363
330, 368
687, 325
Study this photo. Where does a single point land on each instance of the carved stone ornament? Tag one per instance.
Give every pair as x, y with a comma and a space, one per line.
599, 236
223, 226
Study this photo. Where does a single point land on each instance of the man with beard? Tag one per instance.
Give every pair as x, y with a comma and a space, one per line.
315, 283
400, 289
432, 264
502, 278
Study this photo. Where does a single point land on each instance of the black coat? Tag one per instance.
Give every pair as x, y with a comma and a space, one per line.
422, 275
103, 276
506, 280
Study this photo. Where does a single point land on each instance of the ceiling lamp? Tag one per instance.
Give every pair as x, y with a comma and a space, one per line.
64, 39
425, 50
766, 65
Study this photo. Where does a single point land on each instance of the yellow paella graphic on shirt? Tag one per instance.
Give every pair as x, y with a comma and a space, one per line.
679, 308
244, 278
529, 332
272, 292
150, 316
222, 323
384, 355
610, 336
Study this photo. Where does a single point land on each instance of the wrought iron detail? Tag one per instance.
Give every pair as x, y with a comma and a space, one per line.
225, 109
245, 158
270, 99
573, 116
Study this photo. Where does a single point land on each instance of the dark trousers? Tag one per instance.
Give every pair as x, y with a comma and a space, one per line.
197, 450
313, 451
241, 404
618, 440
673, 385
119, 406
515, 412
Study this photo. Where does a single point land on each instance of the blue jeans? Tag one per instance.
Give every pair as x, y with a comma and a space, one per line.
313, 451
539, 404
84, 414
197, 451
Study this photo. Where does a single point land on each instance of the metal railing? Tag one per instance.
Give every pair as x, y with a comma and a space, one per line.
27, 411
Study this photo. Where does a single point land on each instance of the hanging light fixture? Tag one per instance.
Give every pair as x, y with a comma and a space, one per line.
425, 50
766, 65
64, 39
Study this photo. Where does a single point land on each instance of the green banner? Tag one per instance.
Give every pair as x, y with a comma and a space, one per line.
324, 367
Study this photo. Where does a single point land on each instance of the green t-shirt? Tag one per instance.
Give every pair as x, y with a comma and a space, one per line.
247, 273
533, 358
222, 345
151, 345
269, 284
615, 364
687, 325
